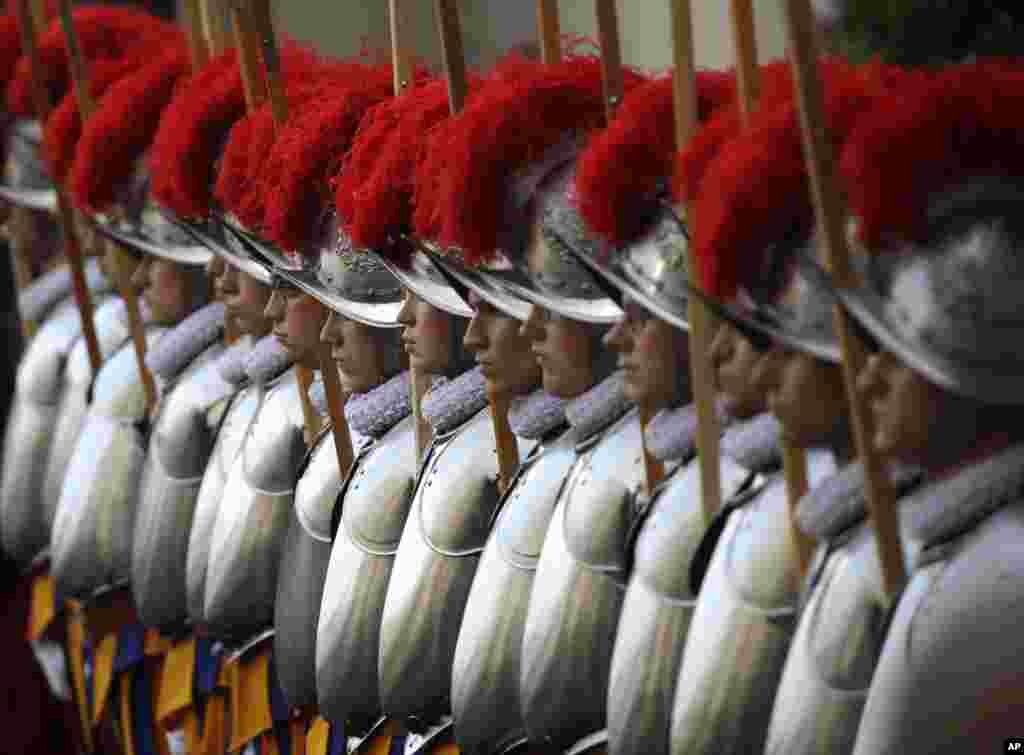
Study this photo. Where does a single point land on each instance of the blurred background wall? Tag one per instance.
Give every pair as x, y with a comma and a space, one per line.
340, 27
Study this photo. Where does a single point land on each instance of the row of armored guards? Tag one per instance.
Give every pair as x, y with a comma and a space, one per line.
242, 574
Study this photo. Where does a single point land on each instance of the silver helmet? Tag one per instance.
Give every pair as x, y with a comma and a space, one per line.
558, 281
354, 284
426, 280
212, 234
791, 304
145, 228
950, 306
26, 181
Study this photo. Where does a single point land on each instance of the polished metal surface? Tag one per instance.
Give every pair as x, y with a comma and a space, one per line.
179, 448
25, 181
24, 524
92, 530
350, 281
946, 680
741, 628
578, 591
233, 428
300, 579
374, 509
112, 333
830, 664
447, 528
485, 674
241, 577
656, 613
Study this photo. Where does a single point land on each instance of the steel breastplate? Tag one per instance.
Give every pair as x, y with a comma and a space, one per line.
578, 591
24, 524
112, 333
456, 496
657, 610
374, 507
485, 674
741, 628
953, 652
179, 448
233, 428
94, 523
832, 659
241, 577
300, 580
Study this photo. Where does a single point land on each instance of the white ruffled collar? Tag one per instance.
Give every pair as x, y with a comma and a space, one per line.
534, 416
593, 411
187, 340
449, 403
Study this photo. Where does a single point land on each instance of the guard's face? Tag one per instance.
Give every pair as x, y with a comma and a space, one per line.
904, 408
170, 290
654, 357
246, 301
427, 335
733, 359
503, 352
297, 320
805, 394
355, 348
565, 350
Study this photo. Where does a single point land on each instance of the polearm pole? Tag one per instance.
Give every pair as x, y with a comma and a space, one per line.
794, 460
27, 23
454, 63
830, 215
401, 68
86, 106
328, 368
708, 431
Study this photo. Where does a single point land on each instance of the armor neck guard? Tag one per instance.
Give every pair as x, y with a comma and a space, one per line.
267, 361
375, 412
837, 504
598, 408
186, 341
43, 294
231, 364
452, 402
536, 415
754, 443
945, 508
672, 434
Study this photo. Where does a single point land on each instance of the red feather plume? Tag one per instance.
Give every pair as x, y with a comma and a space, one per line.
756, 191
776, 86
187, 141
64, 126
251, 139
374, 193
925, 139
122, 128
104, 32
620, 172
309, 152
511, 123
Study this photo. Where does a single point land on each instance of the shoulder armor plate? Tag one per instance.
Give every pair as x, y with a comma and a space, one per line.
485, 675
741, 628
455, 498
241, 575
179, 447
374, 509
656, 613
94, 522
578, 591
232, 433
